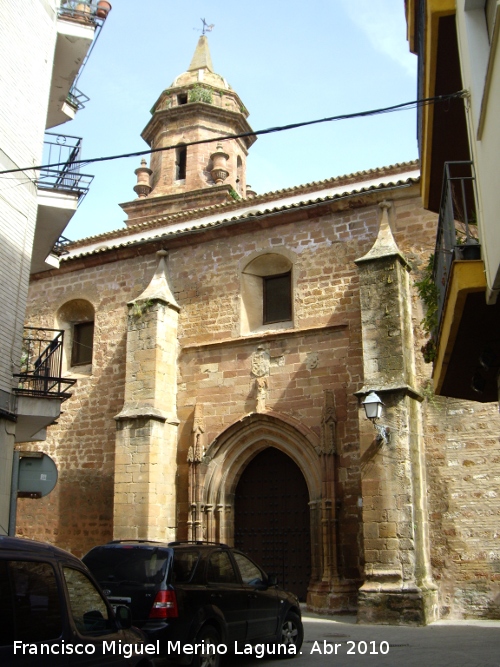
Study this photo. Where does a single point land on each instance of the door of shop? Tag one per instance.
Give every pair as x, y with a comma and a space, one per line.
272, 518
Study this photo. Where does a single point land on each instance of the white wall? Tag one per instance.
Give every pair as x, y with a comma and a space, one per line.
480, 63
27, 40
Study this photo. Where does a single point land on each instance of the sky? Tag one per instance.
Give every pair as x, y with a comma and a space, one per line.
288, 61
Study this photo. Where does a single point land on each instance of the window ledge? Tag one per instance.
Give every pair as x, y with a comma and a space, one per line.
274, 326
79, 371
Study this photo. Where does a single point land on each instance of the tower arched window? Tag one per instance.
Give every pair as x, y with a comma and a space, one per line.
180, 162
239, 175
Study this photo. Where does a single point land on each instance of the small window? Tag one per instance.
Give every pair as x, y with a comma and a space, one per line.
180, 163
76, 318
267, 293
83, 341
239, 175
182, 99
277, 298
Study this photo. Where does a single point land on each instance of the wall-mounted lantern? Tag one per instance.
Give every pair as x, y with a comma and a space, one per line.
373, 409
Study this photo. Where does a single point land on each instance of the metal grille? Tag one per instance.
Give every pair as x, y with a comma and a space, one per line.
64, 153
41, 365
457, 225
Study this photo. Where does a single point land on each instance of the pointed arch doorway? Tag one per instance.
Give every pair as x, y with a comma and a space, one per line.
272, 518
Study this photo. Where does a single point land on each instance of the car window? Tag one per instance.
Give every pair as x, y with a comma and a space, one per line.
135, 565
29, 597
220, 569
250, 573
88, 609
184, 565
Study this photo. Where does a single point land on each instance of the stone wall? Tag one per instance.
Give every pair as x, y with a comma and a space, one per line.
317, 359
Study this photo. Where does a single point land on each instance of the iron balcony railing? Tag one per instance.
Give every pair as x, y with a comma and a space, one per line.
77, 99
457, 236
87, 12
60, 246
84, 11
41, 365
63, 151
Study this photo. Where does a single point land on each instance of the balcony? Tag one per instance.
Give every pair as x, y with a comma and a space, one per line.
457, 237
76, 99
79, 23
40, 388
84, 11
61, 188
63, 150
467, 346
41, 365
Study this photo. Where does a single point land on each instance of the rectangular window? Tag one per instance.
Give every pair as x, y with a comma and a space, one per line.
83, 341
277, 300
182, 99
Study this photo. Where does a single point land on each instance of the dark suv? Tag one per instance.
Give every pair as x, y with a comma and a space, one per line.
193, 594
52, 613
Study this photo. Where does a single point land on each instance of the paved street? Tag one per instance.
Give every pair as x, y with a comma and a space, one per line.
443, 644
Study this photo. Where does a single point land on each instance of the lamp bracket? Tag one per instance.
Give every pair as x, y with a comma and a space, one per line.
383, 432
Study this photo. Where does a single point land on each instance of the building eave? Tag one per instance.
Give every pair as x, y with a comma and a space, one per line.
354, 182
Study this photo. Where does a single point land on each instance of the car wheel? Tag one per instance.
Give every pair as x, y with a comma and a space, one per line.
208, 657
292, 633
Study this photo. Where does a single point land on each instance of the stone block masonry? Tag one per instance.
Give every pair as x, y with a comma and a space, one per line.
399, 534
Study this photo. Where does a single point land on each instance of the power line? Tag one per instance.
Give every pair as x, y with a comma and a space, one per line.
280, 128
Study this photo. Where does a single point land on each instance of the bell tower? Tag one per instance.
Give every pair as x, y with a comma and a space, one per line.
199, 105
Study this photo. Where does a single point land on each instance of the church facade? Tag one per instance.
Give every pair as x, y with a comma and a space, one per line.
224, 343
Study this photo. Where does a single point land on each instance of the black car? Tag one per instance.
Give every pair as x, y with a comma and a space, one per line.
52, 613
199, 600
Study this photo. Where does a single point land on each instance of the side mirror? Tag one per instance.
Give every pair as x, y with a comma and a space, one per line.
124, 616
272, 579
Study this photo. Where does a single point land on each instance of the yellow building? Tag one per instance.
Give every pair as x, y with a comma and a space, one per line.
457, 46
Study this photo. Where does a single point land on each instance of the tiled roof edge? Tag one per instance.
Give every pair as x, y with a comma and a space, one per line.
233, 219
235, 205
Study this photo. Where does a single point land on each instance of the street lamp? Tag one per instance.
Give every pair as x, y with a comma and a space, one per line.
373, 410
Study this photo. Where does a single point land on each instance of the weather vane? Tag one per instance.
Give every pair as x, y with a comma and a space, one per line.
206, 28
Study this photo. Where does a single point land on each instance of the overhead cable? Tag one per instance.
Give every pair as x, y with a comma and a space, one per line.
280, 128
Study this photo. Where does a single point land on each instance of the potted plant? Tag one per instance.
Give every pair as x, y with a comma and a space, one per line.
103, 9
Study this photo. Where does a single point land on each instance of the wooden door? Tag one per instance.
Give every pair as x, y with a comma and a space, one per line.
272, 519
